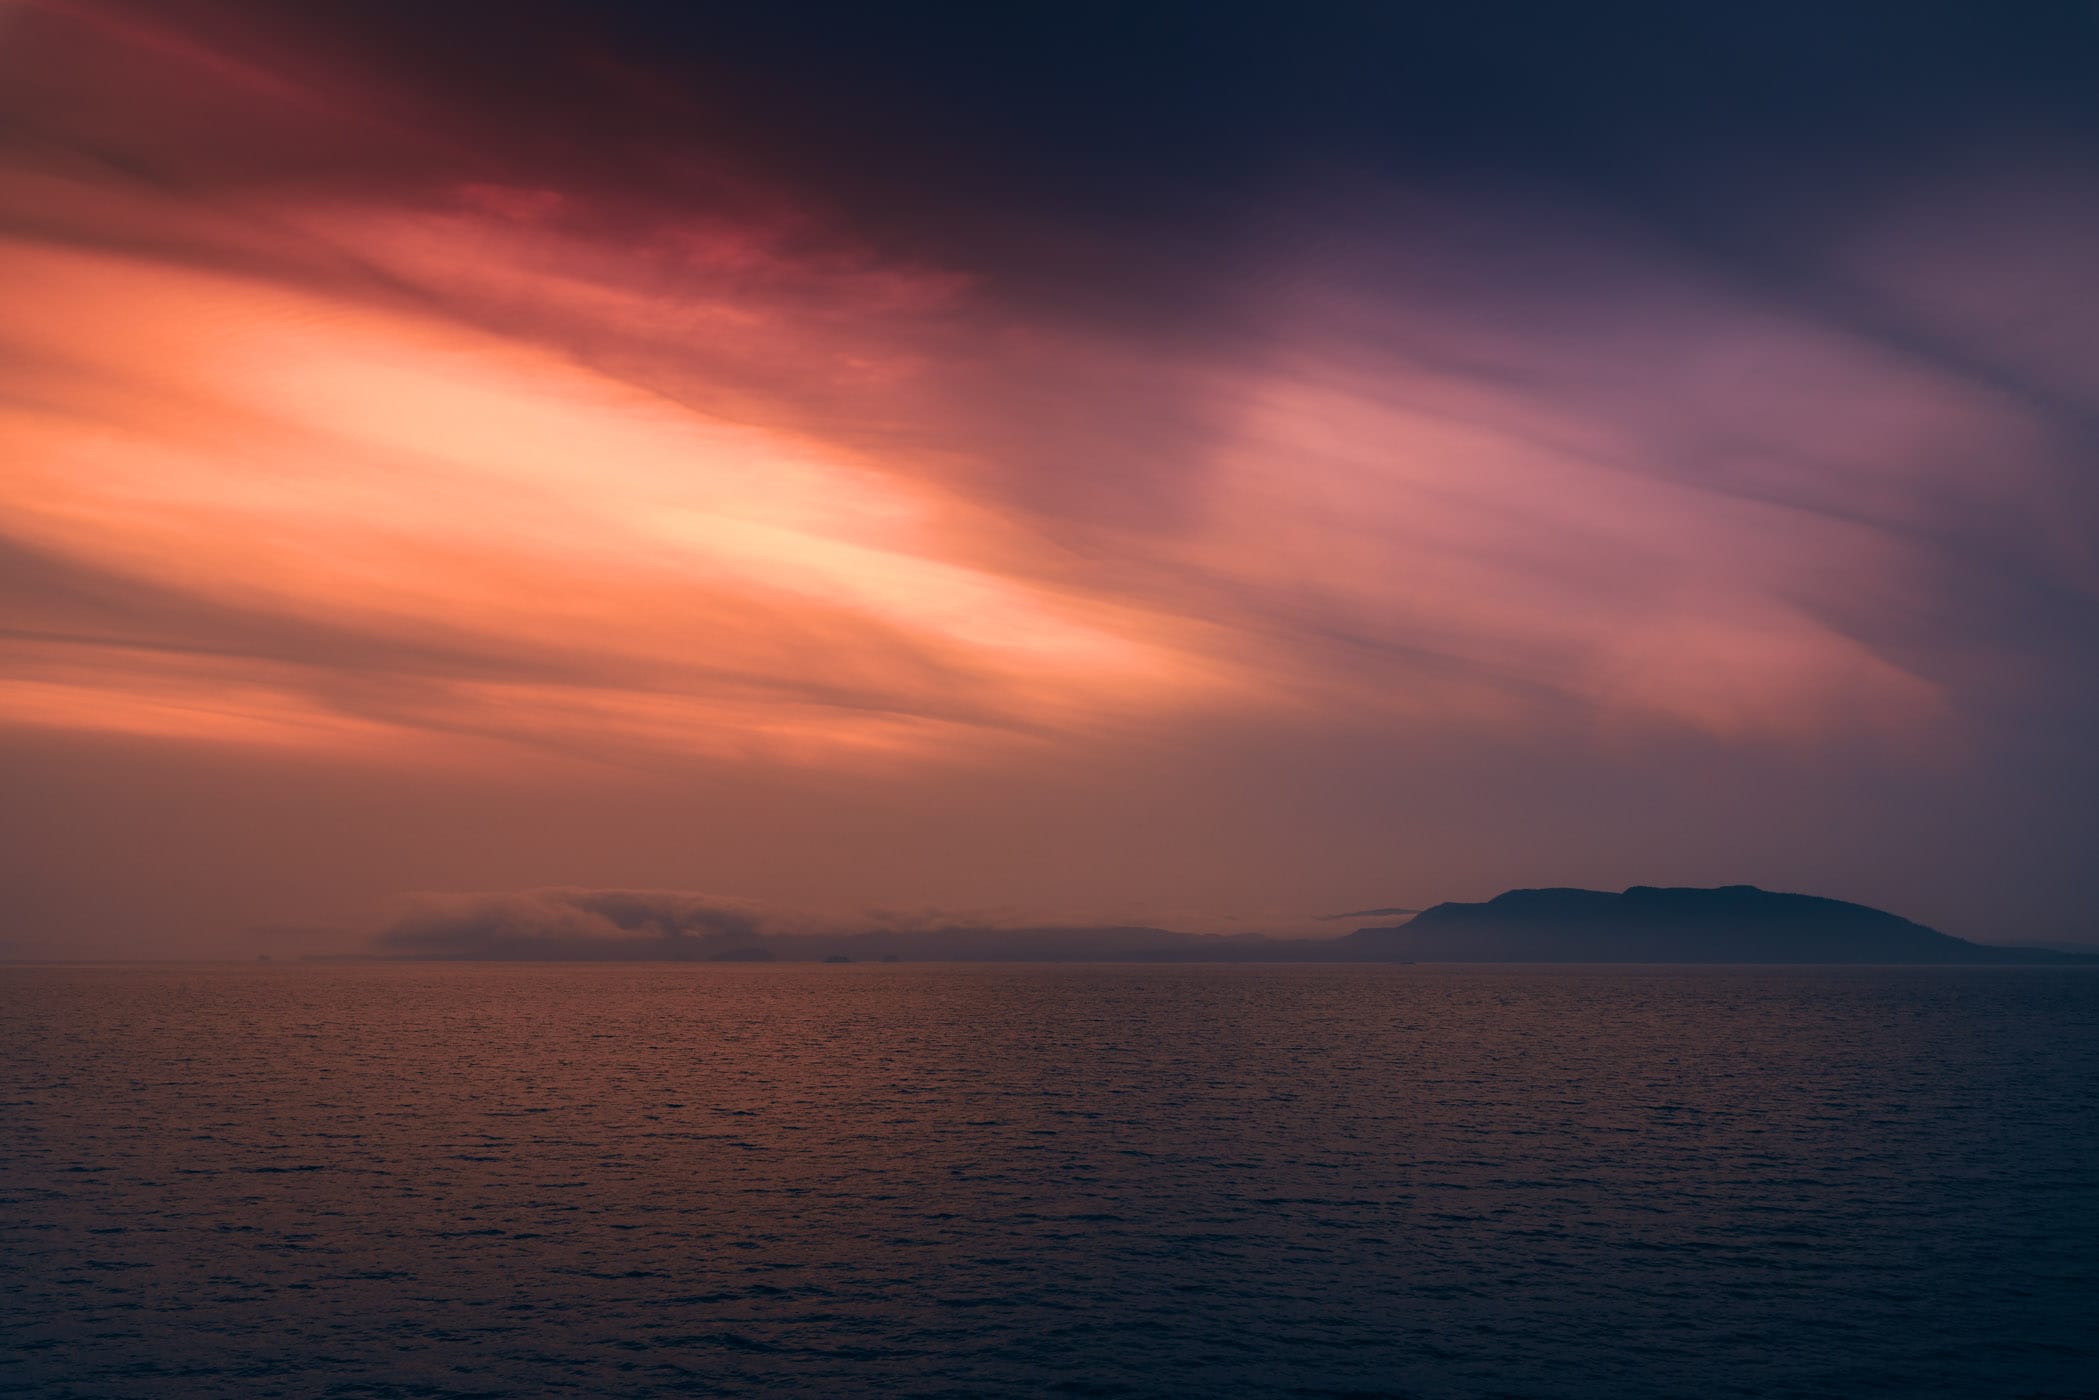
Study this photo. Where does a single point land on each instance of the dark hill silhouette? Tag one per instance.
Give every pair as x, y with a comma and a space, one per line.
1737, 923
1731, 924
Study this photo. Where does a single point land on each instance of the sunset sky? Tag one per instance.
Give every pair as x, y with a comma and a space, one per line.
1199, 466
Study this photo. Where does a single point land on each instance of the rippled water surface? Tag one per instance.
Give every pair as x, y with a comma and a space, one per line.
988, 1180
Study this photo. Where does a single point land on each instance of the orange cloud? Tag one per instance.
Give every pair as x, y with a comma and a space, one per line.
703, 581
548, 463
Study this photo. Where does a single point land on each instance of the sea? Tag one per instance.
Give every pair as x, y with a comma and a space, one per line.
1048, 1180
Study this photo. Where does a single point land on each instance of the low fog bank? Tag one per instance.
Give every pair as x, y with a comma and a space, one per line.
582, 925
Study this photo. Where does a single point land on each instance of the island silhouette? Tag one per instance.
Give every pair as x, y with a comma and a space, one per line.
1643, 924
1646, 923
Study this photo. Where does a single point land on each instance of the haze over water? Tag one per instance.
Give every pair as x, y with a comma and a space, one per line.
1019, 1180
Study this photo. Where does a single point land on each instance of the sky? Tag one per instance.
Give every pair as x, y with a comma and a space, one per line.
1210, 466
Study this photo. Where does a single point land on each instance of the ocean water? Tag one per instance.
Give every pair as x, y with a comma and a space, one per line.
382, 1180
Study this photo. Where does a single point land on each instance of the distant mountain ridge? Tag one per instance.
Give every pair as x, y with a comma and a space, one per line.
1648, 923
1731, 924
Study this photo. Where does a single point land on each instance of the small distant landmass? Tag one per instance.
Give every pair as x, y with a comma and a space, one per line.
1643, 924
1649, 924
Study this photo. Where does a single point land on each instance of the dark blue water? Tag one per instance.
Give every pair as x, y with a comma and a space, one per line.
386, 1180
